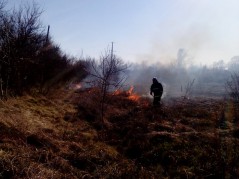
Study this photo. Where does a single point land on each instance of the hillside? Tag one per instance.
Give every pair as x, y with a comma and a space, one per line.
61, 136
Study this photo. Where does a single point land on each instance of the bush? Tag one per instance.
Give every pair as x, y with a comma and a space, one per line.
28, 58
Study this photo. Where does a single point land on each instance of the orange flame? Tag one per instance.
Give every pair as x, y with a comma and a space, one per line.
132, 96
130, 91
117, 92
129, 94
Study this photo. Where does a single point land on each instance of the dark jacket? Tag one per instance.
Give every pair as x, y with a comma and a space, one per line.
156, 89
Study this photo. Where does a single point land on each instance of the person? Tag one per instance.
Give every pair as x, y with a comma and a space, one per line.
156, 91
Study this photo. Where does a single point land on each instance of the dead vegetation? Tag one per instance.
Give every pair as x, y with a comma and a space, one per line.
62, 136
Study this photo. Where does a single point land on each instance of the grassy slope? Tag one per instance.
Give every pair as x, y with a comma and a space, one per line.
61, 136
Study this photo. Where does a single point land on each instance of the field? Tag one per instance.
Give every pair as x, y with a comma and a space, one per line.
63, 135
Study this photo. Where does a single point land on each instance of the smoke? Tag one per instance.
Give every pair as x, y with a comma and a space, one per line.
171, 78
181, 78
177, 58
193, 42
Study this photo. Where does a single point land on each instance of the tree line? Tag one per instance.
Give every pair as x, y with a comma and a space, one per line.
28, 57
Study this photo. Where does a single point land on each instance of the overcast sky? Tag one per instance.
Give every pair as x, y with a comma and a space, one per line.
144, 30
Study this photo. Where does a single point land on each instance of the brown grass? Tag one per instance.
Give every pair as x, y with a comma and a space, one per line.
57, 136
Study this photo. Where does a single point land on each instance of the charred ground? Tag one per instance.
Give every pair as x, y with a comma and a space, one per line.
62, 136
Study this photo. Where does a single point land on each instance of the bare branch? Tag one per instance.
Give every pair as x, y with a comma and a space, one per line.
107, 75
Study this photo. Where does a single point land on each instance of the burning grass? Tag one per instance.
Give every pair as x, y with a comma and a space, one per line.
58, 137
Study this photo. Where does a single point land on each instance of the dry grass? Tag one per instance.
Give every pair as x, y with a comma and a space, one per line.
58, 136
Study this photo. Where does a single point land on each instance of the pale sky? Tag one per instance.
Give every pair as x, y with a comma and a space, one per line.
144, 30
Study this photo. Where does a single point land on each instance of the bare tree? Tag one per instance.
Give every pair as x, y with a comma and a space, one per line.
188, 89
232, 87
109, 73
21, 37
233, 64
28, 57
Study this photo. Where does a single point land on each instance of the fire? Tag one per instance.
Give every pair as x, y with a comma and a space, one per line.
130, 91
128, 94
75, 86
117, 92
132, 96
